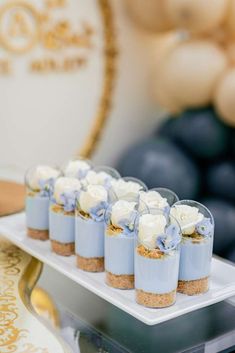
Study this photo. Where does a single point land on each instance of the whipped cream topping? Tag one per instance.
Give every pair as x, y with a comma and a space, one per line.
64, 185
97, 178
77, 169
122, 211
126, 190
40, 174
152, 199
186, 216
92, 197
150, 227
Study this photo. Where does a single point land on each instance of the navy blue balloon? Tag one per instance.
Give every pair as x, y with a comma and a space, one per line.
199, 131
221, 179
230, 255
224, 215
161, 163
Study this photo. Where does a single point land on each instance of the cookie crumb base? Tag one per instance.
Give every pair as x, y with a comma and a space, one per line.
153, 300
63, 249
90, 264
38, 234
120, 281
194, 287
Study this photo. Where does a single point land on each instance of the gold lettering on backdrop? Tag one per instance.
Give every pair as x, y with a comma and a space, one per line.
52, 65
23, 27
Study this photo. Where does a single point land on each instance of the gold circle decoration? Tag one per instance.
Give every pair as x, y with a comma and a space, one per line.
18, 20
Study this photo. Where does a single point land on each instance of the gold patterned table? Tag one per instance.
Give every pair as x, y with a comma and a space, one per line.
21, 330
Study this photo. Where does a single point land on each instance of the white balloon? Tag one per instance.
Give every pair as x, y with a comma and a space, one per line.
150, 14
224, 98
196, 15
188, 74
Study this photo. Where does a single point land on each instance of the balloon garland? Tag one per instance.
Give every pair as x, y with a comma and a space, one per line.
192, 151
200, 68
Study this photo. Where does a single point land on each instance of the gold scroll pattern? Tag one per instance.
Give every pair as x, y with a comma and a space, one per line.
18, 275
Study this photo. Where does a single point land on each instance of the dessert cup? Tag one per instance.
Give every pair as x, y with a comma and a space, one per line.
77, 168
39, 183
196, 248
160, 198
168, 194
62, 230
119, 246
89, 240
101, 175
89, 228
127, 188
156, 259
62, 216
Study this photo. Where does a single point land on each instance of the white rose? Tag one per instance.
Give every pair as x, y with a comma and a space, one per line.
150, 226
91, 197
65, 185
126, 190
94, 178
74, 168
41, 173
152, 199
186, 215
122, 210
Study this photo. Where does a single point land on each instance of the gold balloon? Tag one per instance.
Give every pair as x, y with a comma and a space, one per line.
224, 98
149, 14
230, 19
196, 15
187, 75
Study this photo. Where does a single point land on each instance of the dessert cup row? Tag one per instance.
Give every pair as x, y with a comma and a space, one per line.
147, 240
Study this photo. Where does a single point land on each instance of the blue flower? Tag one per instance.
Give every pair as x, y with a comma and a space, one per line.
107, 182
128, 224
46, 187
69, 200
97, 212
204, 227
169, 241
166, 210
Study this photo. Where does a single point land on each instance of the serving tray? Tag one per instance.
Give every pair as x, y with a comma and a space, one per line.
222, 278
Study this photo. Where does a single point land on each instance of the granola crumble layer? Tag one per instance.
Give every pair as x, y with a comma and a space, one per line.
38, 234
90, 264
194, 287
63, 249
120, 281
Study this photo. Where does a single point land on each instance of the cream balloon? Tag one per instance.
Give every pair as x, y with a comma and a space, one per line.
149, 14
224, 98
196, 15
188, 74
162, 44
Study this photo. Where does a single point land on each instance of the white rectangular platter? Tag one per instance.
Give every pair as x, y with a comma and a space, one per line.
222, 278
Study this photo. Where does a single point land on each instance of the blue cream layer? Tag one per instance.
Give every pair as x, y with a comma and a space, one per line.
37, 212
195, 259
157, 276
61, 227
89, 237
119, 254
